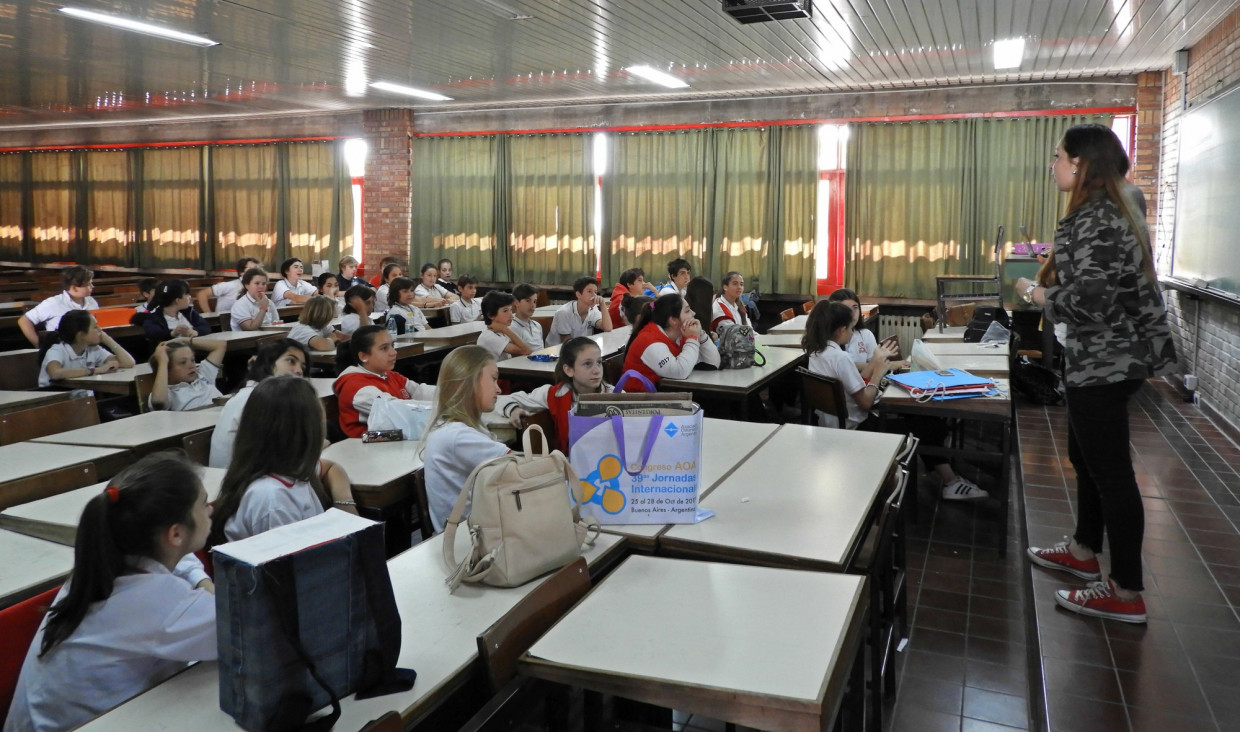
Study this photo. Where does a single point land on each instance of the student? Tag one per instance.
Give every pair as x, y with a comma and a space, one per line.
499, 339
368, 360
390, 272
146, 288
862, 346
429, 293
314, 325
632, 282
579, 370
700, 294
401, 304
384, 263
632, 306
84, 350
456, 442
77, 284
180, 382
292, 290
276, 476
827, 332
226, 292
277, 358
169, 314
469, 307
138, 607
359, 303
525, 302
581, 316
254, 309
680, 272
329, 287
445, 276
728, 305
348, 276
668, 341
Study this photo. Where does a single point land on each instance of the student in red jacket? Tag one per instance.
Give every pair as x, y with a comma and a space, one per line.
579, 370
370, 358
632, 282
668, 341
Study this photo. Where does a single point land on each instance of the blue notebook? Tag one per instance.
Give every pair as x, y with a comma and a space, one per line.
950, 382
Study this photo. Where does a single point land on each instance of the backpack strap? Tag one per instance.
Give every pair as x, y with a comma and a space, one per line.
294, 707
632, 374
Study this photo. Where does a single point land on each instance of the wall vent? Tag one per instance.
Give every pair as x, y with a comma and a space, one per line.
765, 11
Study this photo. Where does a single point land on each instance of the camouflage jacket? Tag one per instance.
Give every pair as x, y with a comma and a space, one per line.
1117, 323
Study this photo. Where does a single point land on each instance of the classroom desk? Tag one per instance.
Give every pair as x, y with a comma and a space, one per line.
803, 500
405, 348
286, 327
141, 434
13, 401
610, 343
960, 348
55, 518
382, 475
768, 648
738, 384
461, 334
545, 314
439, 641
13, 307
796, 324
990, 366
781, 340
30, 566
33, 470
118, 382
236, 340
951, 334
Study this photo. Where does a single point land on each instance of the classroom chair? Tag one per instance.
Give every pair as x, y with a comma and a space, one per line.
34, 487
197, 445
822, 393
985, 287
19, 370
18, 625
807, 306
786, 315
390, 722
48, 419
142, 385
109, 317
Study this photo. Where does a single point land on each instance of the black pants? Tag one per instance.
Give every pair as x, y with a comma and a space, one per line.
1106, 487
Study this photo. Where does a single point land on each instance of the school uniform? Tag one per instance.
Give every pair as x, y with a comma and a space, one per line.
616, 304
670, 289
279, 295
862, 345
465, 312
381, 303
495, 343
558, 399
193, 394
226, 294
448, 286
415, 319
225, 432
435, 291
270, 502
49, 312
302, 333
567, 323
655, 356
347, 282
63, 353
452, 452
158, 326
152, 625
837, 364
246, 308
724, 310
349, 322
529, 331
357, 388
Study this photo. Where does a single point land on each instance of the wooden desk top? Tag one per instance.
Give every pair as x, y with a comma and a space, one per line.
56, 518
610, 343
30, 566
139, 430
11, 401
803, 499
761, 646
738, 381
439, 641
24, 459
375, 464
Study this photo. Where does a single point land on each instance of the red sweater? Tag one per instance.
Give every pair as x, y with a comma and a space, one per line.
347, 386
617, 299
649, 335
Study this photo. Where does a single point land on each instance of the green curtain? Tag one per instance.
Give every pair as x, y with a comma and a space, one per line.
740, 225
53, 218
110, 226
793, 195
313, 203
12, 180
454, 203
245, 182
550, 189
171, 231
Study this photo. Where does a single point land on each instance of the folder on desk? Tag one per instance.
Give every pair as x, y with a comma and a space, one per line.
947, 383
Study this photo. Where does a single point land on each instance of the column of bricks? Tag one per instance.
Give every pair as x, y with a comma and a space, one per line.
386, 206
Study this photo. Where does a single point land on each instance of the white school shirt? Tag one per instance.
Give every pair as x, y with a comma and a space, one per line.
246, 308
174, 323
435, 291
302, 333
193, 394
50, 310
415, 320
862, 346
226, 294
149, 628
452, 452
226, 427
282, 288
566, 324
350, 322
692, 352
270, 502
670, 289
724, 309
465, 312
63, 353
381, 303
495, 343
834, 362
529, 331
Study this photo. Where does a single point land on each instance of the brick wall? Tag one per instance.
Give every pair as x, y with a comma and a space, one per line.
386, 204
1147, 152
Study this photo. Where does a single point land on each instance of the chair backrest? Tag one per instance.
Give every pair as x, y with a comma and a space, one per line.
500, 645
197, 445
48, 419
18, 625
19, 370
613, 367
55, 482
390, 722
142, 385
788, 314
545, 421
824, 394
807, 306
108, 317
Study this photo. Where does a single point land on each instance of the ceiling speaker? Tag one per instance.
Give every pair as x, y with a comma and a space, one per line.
765, 11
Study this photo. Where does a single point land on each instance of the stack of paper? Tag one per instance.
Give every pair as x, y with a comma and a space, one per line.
947, 384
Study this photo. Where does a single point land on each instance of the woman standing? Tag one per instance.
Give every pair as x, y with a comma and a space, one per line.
1100, 283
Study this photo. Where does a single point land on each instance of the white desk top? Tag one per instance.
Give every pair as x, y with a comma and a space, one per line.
954, 348
322, 386
375, 463
29, 566
737, 380
794, 325
439, 641
24, 459
14, 400
236, 339
451, 332
781, 340
988, 365
953, 334
56, 518
286, 327
610, 343
547, 311
122, 376
139, 430
406, 347
804, 496
753, 633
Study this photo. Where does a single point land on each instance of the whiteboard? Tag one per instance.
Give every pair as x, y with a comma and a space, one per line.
1207, 214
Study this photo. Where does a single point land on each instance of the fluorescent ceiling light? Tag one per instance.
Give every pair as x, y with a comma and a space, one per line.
1009, 53
409, 91
504, 10
658, 77
139, 27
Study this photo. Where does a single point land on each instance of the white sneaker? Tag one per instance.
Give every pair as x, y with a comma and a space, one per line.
963, 490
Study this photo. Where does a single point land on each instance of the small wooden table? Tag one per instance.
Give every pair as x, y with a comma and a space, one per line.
14, 401
141, 434
33, 470
30, 566
738, 384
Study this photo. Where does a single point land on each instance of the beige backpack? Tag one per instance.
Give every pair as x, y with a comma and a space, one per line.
521, 523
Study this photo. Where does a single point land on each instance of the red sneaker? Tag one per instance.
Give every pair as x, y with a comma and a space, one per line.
1060, 557
1100, 601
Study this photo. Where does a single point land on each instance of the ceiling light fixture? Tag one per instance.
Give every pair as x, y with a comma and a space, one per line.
658, 77
138, 26
1009, 53
504, 10
409, 91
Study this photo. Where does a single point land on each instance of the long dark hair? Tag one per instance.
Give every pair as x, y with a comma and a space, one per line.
569, 350
264, 362
281, 433
700, 294
363, 338
143, 500
361, 292
72, 323
397, 286
168, 292
825, 318
660, 311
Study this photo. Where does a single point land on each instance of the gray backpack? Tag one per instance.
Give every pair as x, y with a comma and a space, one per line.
737, 349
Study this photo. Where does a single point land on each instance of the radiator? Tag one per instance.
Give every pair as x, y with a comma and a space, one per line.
905, 327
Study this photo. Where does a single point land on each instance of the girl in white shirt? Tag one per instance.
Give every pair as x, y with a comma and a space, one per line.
314, 325
456, 441
276, 476
499, 339
728, 305
226, 292
329, 287
429, 293
180, 382
292, 290
136, 610
84, 350
359, 303
668, 341
401, 303
390, 272
276, 358
862, 346
254, 309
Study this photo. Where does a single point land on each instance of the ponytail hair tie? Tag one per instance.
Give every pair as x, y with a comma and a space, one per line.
113, 493
650, 304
